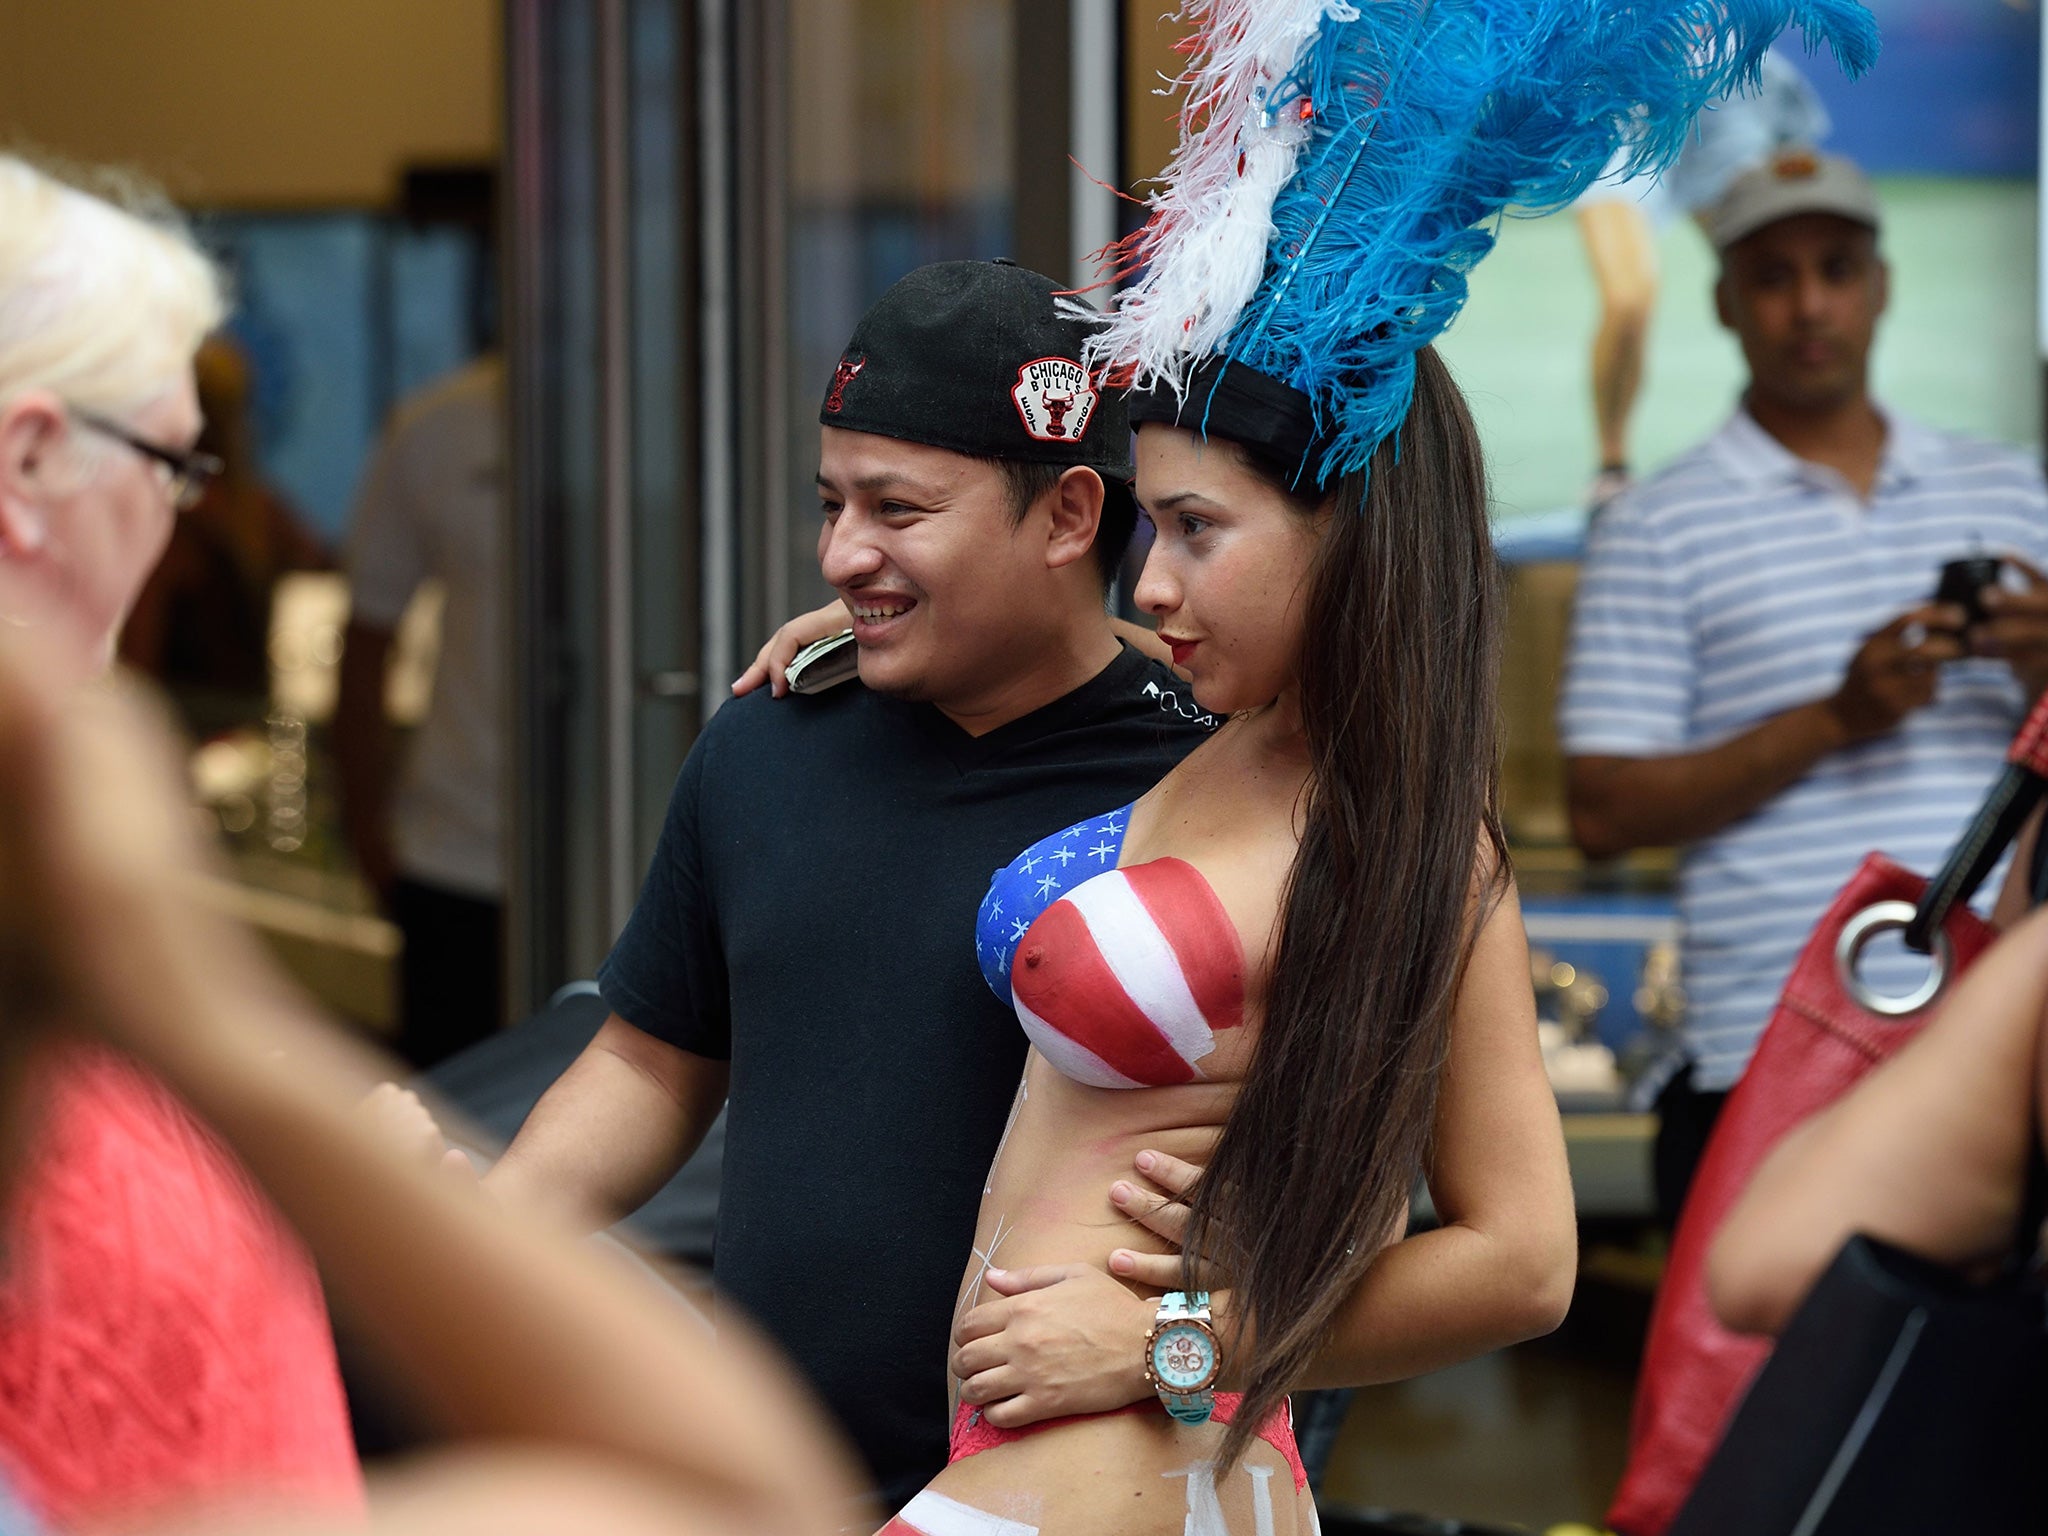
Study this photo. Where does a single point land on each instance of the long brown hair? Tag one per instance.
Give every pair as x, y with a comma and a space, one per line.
1401, 855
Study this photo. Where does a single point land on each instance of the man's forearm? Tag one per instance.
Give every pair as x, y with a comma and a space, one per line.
602, 1141
1619, 803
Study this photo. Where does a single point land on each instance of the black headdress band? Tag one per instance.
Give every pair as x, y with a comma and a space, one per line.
1229, 400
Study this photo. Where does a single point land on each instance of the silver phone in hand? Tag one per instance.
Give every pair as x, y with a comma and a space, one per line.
823, 663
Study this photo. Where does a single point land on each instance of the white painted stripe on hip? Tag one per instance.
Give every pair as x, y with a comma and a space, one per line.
936, 1515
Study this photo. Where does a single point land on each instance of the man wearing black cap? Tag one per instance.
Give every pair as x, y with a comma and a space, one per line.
803, 948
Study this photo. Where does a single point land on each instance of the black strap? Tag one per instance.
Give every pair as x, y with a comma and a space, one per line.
1991, 831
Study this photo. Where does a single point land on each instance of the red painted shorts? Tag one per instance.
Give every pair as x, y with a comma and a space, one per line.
972, 1434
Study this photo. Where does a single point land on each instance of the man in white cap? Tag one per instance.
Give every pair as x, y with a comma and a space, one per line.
1759, 671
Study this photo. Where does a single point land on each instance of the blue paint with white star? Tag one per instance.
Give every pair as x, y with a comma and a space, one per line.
1034, 880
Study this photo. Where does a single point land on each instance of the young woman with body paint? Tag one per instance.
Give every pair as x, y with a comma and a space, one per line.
1298, 962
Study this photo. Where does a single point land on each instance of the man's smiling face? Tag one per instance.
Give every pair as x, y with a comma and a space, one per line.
947, 587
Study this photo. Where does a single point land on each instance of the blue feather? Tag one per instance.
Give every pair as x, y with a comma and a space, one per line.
1433, 119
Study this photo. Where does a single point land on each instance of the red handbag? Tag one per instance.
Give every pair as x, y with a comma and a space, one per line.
1826, 1033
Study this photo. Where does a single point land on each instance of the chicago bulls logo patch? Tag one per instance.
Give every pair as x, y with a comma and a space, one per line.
1054, 399
849, 367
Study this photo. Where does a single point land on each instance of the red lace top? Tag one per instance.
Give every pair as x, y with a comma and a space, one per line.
162, 1333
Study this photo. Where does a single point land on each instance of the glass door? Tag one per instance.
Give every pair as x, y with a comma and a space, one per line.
705, 195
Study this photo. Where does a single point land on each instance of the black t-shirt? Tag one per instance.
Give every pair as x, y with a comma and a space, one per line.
810, 914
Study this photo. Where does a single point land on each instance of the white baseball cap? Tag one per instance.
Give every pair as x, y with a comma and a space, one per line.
1793, 181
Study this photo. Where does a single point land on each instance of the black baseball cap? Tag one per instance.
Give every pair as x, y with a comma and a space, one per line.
976, 357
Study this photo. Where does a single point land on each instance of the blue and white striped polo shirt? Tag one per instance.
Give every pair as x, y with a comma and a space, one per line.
1737, 583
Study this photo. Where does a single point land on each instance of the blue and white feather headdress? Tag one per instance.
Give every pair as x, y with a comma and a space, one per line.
1343, 166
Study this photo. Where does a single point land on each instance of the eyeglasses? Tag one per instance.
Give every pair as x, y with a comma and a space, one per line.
188, 475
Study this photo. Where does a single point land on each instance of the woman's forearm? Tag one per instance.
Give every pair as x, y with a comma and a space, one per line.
1430, 1301
1441, 1297
1928, 1152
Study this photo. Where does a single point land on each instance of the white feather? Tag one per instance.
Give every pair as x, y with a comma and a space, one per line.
1205, 248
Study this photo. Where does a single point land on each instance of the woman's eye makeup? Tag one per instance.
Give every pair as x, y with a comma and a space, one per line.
1185, 525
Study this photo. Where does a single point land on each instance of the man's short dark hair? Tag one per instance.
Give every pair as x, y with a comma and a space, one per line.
1024, 482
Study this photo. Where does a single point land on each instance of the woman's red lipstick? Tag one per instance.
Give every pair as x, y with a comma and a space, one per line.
1182, 649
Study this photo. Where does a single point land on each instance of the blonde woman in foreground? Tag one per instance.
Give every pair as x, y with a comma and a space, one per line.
163, 1338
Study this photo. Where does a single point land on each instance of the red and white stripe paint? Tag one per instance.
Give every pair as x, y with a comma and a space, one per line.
933, 1514
1123, 982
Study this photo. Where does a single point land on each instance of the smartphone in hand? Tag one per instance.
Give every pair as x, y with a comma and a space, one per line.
1963, 582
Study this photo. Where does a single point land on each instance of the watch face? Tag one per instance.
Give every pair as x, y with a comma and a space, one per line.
1183, 1358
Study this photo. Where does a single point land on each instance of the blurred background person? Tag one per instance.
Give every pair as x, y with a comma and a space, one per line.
1756, 670
163, 1337
201, 627
427, 829
1622, 220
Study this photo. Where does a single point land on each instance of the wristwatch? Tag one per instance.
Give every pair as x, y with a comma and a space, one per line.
1183, 1357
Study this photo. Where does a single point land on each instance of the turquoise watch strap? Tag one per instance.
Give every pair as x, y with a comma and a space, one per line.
1186, 1407
1197, 1409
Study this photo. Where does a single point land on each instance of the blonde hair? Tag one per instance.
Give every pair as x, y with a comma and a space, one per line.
104, 295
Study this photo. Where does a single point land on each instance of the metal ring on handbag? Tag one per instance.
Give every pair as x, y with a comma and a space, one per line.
1880, 918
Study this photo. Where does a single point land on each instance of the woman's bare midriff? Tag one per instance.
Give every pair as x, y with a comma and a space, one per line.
1047, 1202
1047, 1196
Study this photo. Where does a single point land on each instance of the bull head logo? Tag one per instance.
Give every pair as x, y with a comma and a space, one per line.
1054, 398
842, 376
1056, 408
